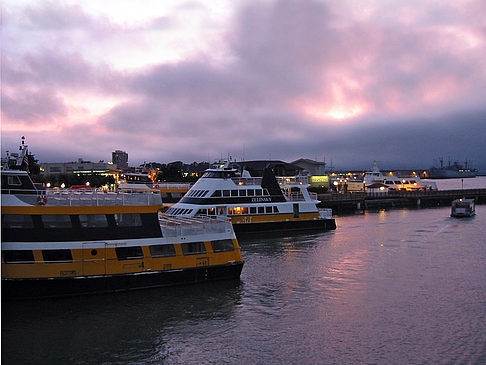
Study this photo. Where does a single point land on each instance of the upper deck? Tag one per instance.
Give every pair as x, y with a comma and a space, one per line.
67, 198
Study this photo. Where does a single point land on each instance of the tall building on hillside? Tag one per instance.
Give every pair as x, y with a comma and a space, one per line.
120, 158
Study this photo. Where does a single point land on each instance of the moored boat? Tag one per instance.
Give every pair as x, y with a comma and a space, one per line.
392, 182
57, 243
254, 204
451, 171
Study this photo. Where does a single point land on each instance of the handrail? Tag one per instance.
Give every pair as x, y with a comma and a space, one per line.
82, 198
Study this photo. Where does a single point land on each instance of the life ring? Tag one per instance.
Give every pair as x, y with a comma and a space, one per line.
41, 200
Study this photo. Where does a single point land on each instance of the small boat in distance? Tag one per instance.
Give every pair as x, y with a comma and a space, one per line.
463, 208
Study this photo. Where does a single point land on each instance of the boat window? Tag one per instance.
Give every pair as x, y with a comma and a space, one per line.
193, 248
14, 180
251, 192
230, 211
226, 193
56, 221
220, 210
275, 209
202, 211
265, 192
128, 220
18, 256
211, 211
222, 245
234, 192
129, 253
214, 175
261, 210
93, 220
388, 182
258, 192
217, 193
253, 210
17, 221
242, 192
268, 209
57, 255
162, 250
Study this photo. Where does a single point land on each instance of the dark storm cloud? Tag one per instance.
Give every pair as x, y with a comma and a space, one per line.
401, 90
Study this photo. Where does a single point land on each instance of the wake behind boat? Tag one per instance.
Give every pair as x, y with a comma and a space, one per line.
254, 204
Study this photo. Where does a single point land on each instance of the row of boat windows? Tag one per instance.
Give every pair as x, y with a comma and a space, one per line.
228, 193
240, 192
229, 211
239, 210
390, 182
70, 221
179, 211
122, 253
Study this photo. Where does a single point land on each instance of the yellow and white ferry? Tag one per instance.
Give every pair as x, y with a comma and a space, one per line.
62, 242
254, 204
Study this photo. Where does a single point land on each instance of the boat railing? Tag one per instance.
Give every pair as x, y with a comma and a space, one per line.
298, 196
282, 180
293, 180
86, 198
185, 226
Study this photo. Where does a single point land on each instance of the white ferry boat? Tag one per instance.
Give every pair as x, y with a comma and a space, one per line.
375, 176
60, 242
254, 204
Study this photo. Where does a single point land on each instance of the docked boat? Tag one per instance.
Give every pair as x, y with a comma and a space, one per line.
451, 171
254, 204
59, 242
392, 182
463, 208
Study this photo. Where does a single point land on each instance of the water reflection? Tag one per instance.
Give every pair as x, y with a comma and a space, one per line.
386, 287
114, 327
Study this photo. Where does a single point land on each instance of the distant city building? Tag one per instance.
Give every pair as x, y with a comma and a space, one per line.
120, 158
79, 167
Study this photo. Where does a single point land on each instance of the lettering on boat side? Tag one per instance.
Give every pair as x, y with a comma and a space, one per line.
262, 199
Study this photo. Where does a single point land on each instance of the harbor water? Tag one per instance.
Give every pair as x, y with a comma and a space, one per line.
404, 286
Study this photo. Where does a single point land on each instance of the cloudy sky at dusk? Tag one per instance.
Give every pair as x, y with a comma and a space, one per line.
351, 81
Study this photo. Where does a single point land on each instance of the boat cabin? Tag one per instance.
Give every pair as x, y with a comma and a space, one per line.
463, 208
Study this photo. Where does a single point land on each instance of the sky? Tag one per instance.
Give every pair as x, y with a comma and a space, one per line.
348, 82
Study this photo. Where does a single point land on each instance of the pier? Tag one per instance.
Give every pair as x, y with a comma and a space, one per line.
362, 201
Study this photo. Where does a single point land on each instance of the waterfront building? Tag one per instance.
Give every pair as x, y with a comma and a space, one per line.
314, 168
78, 168
120, 159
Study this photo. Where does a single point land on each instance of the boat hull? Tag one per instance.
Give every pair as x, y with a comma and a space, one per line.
290, 225
58, 287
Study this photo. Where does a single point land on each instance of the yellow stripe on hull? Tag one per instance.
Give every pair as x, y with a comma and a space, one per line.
273, 217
